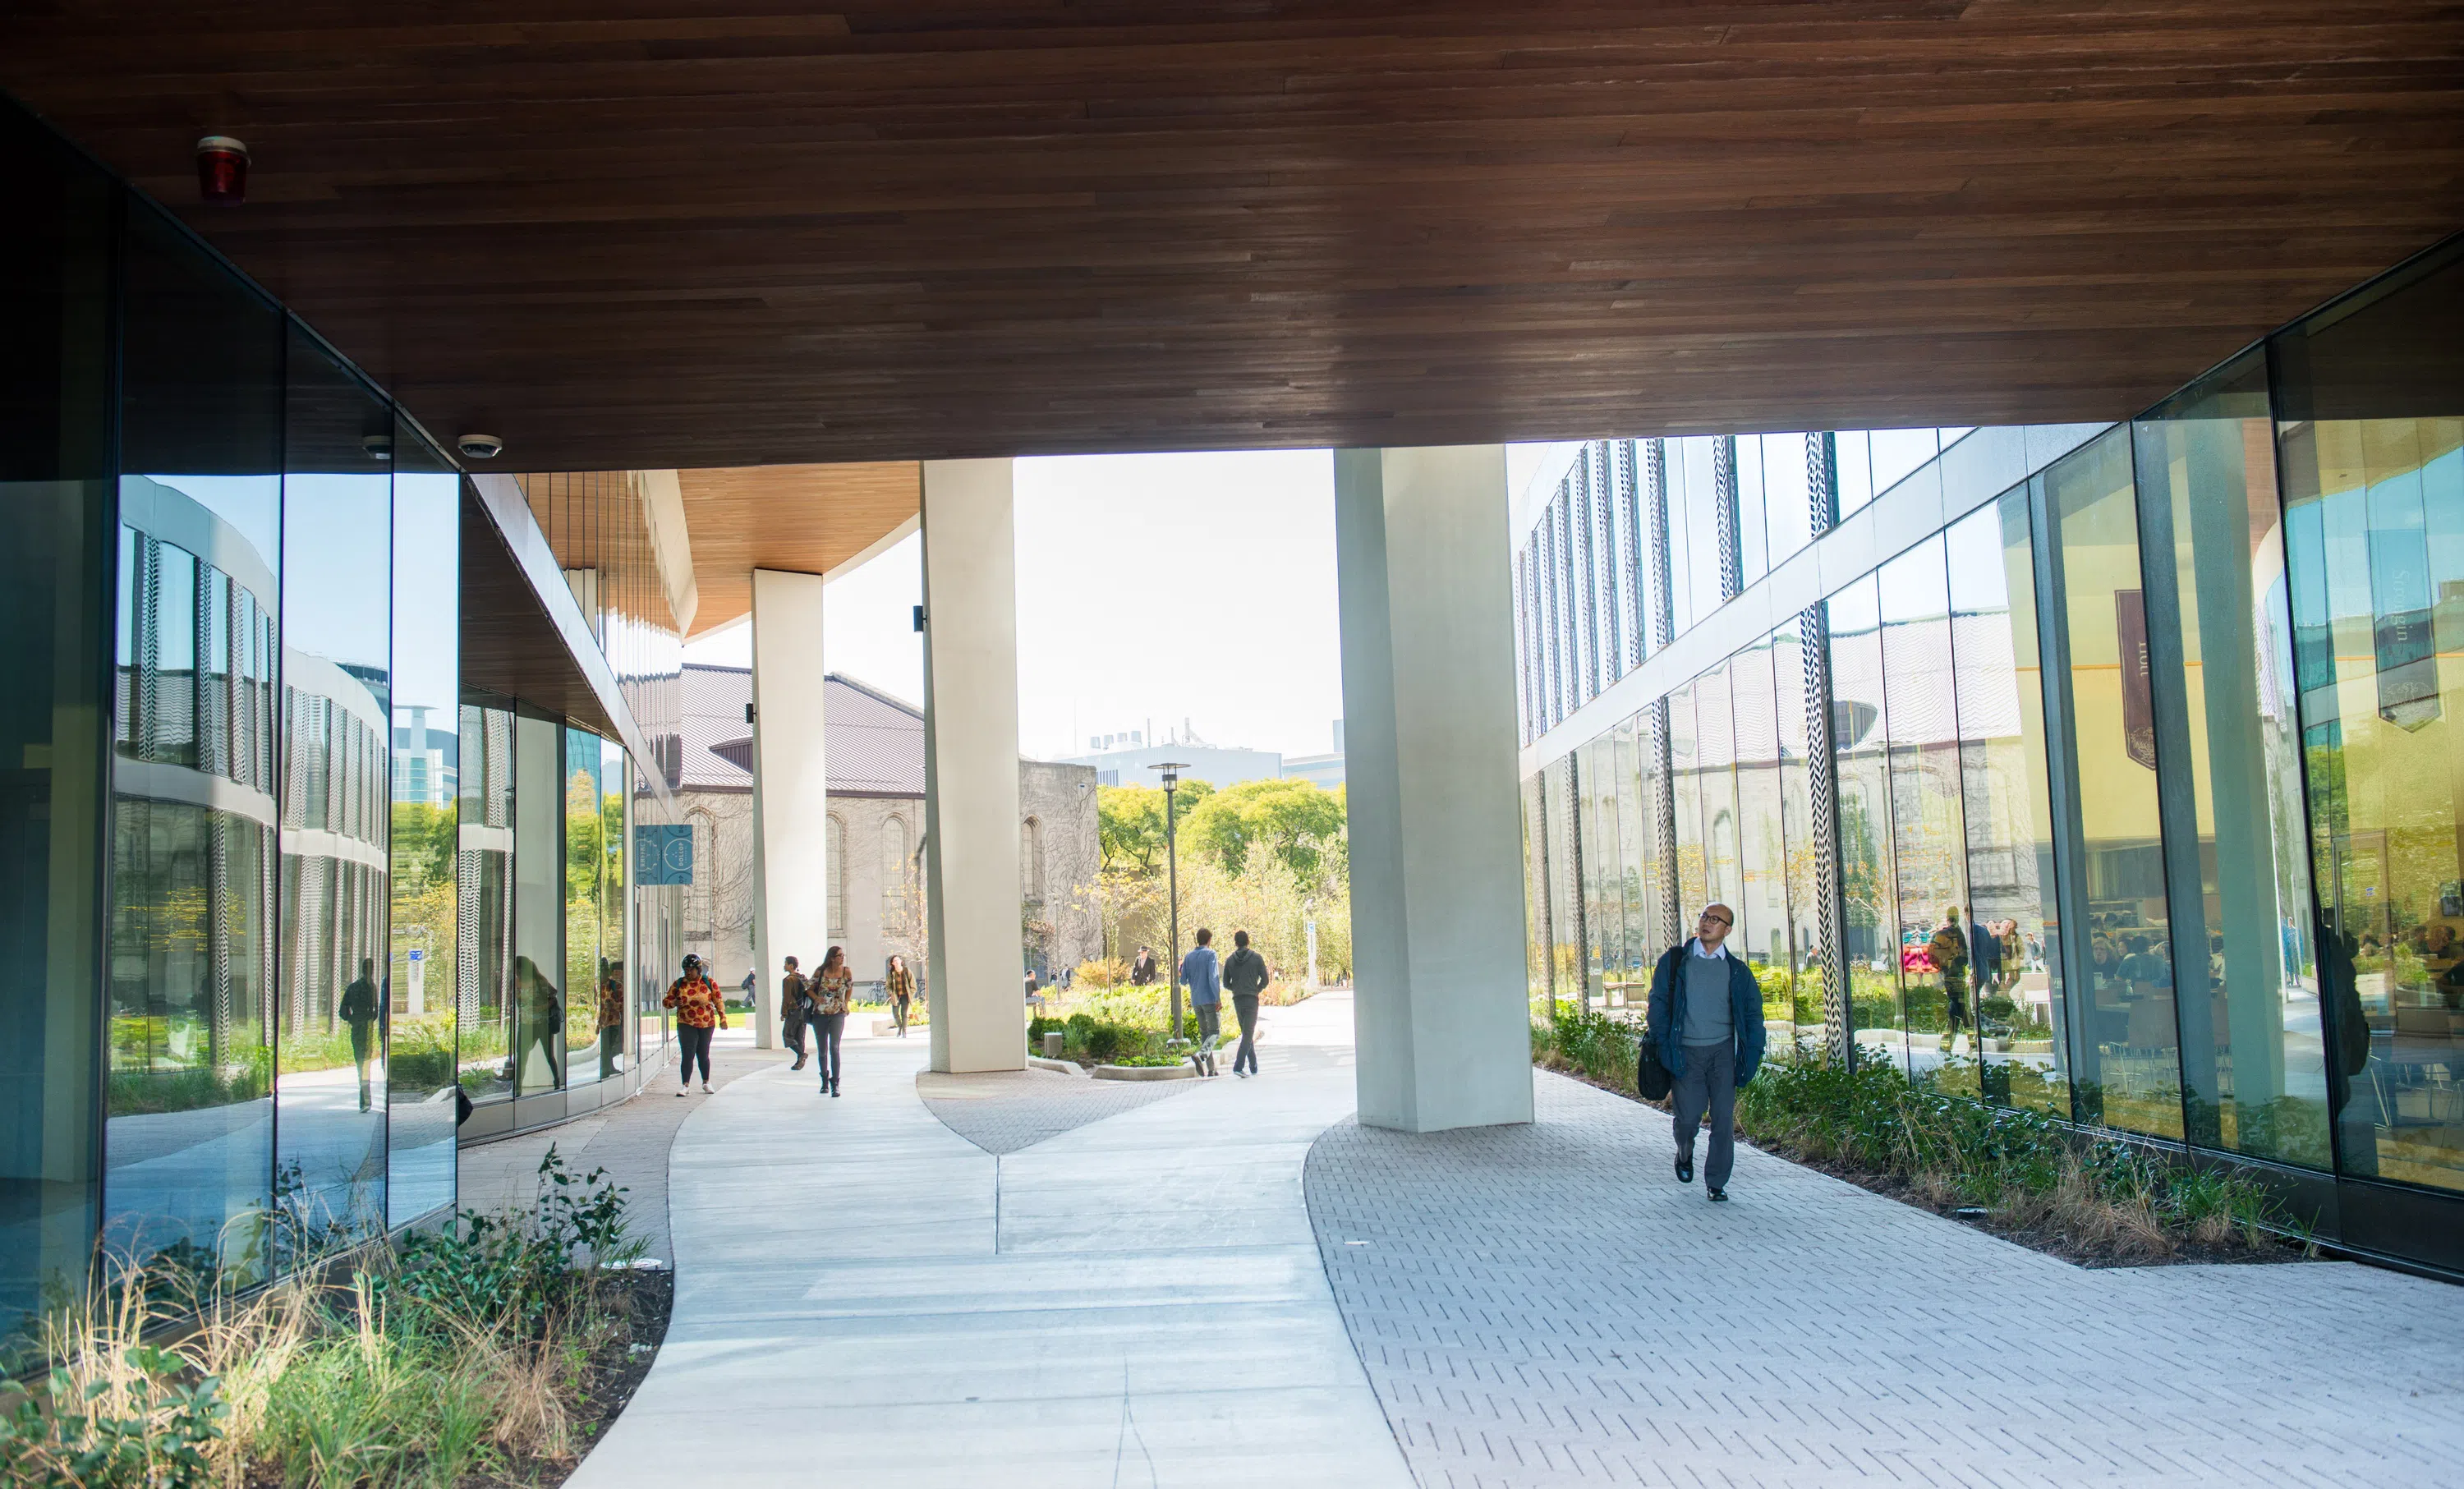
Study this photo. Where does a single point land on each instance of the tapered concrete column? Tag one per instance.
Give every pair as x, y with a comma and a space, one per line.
791, 790
971, 890
1423, 566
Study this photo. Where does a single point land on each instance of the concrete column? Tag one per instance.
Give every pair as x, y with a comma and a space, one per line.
1423, 564
971, 888
791, 789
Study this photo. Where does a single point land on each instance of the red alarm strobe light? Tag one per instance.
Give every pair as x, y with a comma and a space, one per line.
222, 169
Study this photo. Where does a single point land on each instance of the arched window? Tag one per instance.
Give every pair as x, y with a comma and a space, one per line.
1030, 860
893, 874
835, 848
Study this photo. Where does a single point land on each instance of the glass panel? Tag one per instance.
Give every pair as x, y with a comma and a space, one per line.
540, 862
1715, 755
1867, 874
1683, 573
484, 903
1535, 893
1702, 550
420, 1045
1595, 852
1762, 910
1929, 835
55, 463
2260, 1087
1796, 833
586, 863
1787, 500
1853, 453
1631, 986
1564, 915
336, 717
1899, 453
2133, 1059
1752, 540
1686, 782
2013, 972
615, 932
2374, 469
191, 1109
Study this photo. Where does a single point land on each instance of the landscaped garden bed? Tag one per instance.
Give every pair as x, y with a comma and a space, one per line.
491, 1354
2015, 1172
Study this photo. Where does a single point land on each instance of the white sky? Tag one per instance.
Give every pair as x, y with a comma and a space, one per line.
1151, 587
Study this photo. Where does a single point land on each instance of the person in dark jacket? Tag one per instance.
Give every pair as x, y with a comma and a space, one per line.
1245, 976
1707, 1016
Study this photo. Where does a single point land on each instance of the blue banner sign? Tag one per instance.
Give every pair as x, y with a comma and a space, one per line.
663, 853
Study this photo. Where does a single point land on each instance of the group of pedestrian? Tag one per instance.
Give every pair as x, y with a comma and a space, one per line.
1244, 975
812, 1014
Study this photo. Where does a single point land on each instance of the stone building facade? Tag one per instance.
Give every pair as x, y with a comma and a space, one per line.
876, 754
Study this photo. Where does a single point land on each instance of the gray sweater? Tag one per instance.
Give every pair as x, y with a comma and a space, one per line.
1709, 1019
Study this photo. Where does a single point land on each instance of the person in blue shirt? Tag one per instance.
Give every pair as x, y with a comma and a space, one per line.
1204, 976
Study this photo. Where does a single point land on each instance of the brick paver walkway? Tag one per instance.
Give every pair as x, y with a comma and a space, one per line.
1004, 1111
1545, 1306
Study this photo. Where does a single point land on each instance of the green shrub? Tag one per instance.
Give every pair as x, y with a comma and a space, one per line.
1591, 1042
1103, 1042
145, 1430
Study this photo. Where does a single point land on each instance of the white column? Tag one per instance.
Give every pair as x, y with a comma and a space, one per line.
791, 788
974, 967
1422, 564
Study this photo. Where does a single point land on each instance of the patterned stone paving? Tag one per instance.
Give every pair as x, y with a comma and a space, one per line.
1545, 1306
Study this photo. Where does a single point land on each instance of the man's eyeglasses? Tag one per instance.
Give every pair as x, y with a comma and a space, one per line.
1709, 919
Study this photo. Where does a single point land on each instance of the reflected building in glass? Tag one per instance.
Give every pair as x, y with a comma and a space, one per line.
309, 883
2102, 769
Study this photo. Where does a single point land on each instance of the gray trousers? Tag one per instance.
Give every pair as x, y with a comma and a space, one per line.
1709, 1083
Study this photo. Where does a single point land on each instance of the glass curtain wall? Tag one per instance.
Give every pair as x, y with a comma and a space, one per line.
2129, 1056
585, 867
484, 966
55, 576
2014, 968
1929, 836
335, 891
1868, 867
190, 979
2370, 434
540, 898
425, 962
2244, 965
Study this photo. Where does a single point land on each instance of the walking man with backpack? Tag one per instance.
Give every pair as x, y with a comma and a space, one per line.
1706, 1019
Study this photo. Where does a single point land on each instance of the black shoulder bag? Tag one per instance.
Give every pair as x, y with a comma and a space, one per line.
1651, 1074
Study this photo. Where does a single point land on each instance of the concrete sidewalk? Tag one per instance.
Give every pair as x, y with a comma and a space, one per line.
863, 1297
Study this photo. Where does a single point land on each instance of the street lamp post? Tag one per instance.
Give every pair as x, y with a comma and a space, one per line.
1172, 770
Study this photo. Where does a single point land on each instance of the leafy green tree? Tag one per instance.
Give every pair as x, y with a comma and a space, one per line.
1129, 824
1296, 821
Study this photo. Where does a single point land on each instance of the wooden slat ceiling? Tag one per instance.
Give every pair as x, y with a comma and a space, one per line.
654, 233
807, 518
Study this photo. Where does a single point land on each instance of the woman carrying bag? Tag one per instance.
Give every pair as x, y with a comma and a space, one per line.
833, 990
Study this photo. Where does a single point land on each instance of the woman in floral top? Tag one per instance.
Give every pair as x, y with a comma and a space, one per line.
698, 1006
833, 988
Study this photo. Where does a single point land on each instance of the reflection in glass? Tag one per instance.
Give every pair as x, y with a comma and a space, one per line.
1597, 851
484, 903
1637, 816
1565, 916
586, 868
337, 724
539, 896
426, 959
1715, 775
1929, 835
1686, 788
1867, 873
2014, 965
2131, 1057
2375, 527
1762, 930
1796, 834
2254, 1068
191, 946
54, 462
1745, 461
1787, 496
616, 1049
1899, 453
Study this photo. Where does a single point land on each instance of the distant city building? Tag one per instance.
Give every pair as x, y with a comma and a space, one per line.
423, 758
1327, 770
1218, 768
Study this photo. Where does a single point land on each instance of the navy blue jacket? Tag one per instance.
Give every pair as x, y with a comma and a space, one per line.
1668, 1011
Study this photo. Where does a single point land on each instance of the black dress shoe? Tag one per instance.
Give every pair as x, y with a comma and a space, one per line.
1715, 1196
1684, 1169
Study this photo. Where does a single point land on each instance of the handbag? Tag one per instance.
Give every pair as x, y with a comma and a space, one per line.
1651, 1074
